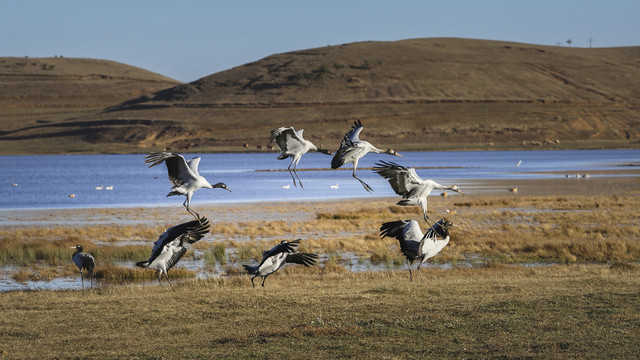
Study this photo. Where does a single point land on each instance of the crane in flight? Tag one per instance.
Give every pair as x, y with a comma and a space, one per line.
183, 175
293, 145
352, 149
406, 183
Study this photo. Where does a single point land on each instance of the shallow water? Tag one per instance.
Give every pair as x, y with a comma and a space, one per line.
48, 181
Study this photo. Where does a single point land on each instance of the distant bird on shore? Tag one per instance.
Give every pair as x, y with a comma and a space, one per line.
83, 261
413, 244
406, 183
183, 175
352, 149
277, 257
518, 163
293, 145
172, 244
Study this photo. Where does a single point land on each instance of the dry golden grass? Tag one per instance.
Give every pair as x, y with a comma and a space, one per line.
498, 228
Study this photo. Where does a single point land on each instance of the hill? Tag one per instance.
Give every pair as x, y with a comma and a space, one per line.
46, 102
439, 93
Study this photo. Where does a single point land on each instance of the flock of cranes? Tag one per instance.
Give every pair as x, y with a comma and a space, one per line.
174, 242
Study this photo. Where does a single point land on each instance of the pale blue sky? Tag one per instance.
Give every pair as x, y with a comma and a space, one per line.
187, 40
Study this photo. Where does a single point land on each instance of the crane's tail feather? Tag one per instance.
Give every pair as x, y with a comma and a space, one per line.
408, 202
142, 264
250, 269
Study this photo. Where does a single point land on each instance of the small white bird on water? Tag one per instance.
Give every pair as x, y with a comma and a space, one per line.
293, 145
83, 261
172, 244
352, 149
413, 244
183, 175
406, 183
277, 257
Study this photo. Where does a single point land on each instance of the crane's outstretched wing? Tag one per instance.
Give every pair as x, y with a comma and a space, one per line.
408, 234
287, 138
193, 164
188, 232
284, 246
350, 138
305, 259
403, 180
403, 230
177, 167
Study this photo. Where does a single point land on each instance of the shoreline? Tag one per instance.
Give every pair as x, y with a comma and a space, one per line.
623, 182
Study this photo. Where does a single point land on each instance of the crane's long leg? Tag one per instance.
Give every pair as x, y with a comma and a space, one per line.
91, 279
366, 186
293, 171
167, 277
419, 273
189, 210
410, 274
427, 218
82, 278
263, 279
252, 284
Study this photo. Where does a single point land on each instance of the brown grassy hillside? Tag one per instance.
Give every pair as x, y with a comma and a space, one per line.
411, 94
45, 102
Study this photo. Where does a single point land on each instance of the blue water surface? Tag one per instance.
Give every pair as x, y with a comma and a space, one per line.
46, 181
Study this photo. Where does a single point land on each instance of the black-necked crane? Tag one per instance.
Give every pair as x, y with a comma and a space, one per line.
84, 261
277, 257
172, 244
293, 145
183, 175
352, 149
406, 183
413, 244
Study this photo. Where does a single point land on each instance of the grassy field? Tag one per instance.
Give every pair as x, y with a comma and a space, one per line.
557, 312
580, 299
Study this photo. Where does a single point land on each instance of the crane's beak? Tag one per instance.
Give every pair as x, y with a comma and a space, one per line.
396, 154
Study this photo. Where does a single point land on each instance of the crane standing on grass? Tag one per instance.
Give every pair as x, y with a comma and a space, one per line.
83, 261
293, 145
352, 149
183, 175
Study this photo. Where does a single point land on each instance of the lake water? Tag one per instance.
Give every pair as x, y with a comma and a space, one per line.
39, 182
